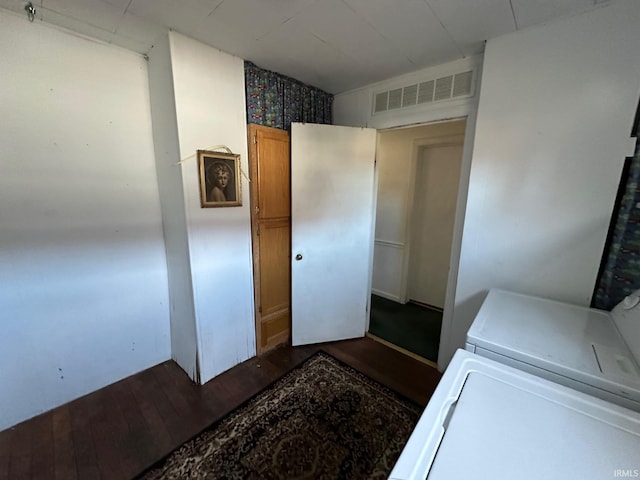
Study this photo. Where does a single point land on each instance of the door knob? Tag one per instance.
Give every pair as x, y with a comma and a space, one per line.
298, 257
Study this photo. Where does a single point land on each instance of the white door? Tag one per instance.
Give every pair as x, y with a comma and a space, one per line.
332, 211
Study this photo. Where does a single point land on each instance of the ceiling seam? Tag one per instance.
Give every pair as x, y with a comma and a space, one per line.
513, 14
453, 40
332, 45
115, 32
266, 34
85, 22
323, 40
388, 40
214, 8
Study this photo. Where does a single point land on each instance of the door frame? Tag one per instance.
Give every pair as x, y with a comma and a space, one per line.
374, 213
468, 113
418, 147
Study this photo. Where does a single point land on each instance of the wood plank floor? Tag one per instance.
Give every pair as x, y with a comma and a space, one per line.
120, 430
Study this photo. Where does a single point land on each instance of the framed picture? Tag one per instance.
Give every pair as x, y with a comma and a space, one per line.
220, 184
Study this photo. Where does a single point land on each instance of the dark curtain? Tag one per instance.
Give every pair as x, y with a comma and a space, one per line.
620, 270
276, 100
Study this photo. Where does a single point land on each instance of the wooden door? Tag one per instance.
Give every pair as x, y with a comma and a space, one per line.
333, 206
270, 170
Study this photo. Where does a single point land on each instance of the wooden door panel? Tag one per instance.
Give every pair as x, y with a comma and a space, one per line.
270, 170
275, 275
274, 175
275, 329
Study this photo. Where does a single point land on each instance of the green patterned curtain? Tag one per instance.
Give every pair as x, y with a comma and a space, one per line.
620, 271
276, 100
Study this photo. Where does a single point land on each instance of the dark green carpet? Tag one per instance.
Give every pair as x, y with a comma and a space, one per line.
409, 326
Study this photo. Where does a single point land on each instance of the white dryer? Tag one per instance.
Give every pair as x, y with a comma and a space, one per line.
590, 350
487, 420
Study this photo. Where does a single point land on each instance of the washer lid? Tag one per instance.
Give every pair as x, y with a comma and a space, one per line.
549, 334
503, 432
490, 421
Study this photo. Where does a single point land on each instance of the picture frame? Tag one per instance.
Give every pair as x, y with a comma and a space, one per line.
220, 182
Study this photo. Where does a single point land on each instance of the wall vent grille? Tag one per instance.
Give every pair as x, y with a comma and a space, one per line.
462, 84
436, 90
381, 102
409, 95
443, 88
426, 92
395, 98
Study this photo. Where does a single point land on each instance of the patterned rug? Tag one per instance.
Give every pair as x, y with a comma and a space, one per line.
323, 420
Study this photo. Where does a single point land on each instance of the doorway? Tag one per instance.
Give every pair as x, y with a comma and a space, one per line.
404, 171
419, 170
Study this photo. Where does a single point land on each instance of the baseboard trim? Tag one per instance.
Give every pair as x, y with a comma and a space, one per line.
427, 305
402, 350
388, 296
389, 243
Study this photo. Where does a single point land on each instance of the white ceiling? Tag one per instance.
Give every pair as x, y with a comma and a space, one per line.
336, 45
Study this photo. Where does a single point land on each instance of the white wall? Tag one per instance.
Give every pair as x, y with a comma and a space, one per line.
396, 164
83, 279
556, 109
167, 150
210, 109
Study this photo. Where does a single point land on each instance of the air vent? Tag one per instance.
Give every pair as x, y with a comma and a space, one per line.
381, 102
426, 92
454, 86
409, 95
443, 88
462, 84
395, 98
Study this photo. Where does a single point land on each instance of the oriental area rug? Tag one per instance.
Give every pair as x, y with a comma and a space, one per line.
322, 420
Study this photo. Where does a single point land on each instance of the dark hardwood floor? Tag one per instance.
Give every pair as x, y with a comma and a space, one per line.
120, 430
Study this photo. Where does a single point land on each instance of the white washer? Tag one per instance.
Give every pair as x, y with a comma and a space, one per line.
593, 351
487, 420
